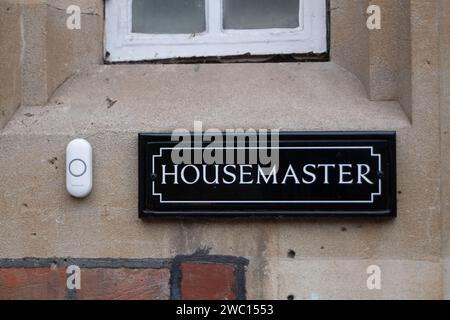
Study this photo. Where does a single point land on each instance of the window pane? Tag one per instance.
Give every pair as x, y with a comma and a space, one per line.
260, 14
168, 16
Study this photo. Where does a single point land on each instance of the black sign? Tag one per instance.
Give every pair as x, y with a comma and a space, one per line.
297, 174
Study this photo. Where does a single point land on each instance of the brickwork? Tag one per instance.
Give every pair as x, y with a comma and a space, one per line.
186, 277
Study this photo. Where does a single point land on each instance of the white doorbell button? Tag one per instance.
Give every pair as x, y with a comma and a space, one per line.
79, 168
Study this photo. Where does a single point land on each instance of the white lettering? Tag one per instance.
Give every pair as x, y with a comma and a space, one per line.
74, 278
374, 280
374, 19
290, 173
362, 175
309, 173
326, 171
164, 174
216, 175
245, 173
272, 174
74, 20
181, 153
230, 174
213, 152
197, 174
198, 143
343, 173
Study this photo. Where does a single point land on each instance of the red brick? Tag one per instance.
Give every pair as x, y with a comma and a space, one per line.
124, 284
207, 281
33, 283
97, 283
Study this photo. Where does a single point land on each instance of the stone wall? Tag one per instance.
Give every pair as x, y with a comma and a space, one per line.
11, 53
396, 79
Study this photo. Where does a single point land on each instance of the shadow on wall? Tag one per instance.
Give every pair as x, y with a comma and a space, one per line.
198, 276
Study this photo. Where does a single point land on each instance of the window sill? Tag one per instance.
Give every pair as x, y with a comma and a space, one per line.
139, 98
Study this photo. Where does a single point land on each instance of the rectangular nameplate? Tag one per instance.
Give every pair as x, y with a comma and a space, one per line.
314, 174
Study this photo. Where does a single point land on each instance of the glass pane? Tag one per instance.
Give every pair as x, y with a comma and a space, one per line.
260, 14
168, 16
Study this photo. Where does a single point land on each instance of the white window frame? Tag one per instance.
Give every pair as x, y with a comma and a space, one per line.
123, 45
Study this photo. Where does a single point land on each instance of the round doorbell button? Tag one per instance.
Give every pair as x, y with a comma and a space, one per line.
79, 168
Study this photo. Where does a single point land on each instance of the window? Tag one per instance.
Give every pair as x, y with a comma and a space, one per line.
162, 29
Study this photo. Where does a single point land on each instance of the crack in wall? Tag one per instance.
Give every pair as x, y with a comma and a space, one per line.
89, 13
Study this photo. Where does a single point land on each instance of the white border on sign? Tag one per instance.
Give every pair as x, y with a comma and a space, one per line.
372, 196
